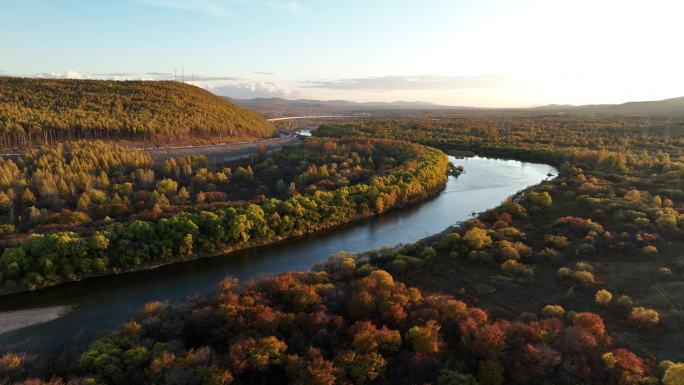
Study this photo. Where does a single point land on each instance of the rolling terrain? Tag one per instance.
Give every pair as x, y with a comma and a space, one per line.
673, 107
40, 111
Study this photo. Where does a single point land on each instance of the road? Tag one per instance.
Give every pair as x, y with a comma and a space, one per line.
224, 152
310, 117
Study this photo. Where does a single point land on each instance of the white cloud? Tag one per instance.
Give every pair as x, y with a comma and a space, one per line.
230, 86
69, 74
72, 74
252, 90
422, 82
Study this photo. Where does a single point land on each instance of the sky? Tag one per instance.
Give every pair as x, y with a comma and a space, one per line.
488, 53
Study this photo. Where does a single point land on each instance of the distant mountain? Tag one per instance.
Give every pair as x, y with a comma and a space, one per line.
277, 106
668, 107
283, 107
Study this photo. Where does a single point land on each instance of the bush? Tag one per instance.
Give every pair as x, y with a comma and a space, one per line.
548, 253
674, 375
564, 272
477, 238
603, 297
449, 377
424, 339
514, 267
609, 360
586, 249
649, 250
6, 229
584, 277
556, 311
584, 266
10, 361
643, 317
542, 200
625, 301
167, 186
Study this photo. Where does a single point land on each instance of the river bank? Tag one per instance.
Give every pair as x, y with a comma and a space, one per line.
226, 251
100, 304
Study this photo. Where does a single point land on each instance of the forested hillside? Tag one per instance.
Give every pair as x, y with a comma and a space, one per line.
39, 111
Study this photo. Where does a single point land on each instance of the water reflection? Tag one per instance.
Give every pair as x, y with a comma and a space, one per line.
103, 303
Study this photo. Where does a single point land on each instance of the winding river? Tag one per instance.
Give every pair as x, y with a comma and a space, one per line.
70, 315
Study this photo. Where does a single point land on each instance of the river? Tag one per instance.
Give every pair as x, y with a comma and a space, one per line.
76, 312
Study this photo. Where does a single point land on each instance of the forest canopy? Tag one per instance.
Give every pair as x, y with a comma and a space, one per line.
48, 110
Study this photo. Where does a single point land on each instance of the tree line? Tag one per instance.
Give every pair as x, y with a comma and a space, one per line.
396, 174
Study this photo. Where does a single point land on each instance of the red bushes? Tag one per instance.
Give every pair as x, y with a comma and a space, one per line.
265, 332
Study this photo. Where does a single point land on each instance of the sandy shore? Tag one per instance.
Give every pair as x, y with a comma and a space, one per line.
13, 320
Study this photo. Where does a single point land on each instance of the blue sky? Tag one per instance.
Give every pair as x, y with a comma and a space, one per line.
484, 53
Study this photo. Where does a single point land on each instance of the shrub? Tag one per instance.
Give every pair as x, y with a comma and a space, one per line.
6, 229
167, 186
586, 249
509, 233
564, 272
548, 253
674, 375
644, 317
584, 277
667, 223
590, 322
609, 360
514, 267
663, 366
477, 238
455, 309
603, 297
10, 361
151, 308
649, 250
424, 339
556, 311
449, 377
625, 301
542, 199
508, 252
584, 266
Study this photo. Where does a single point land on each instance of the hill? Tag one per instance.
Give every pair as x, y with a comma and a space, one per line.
46, 110
669, 107
278, 106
